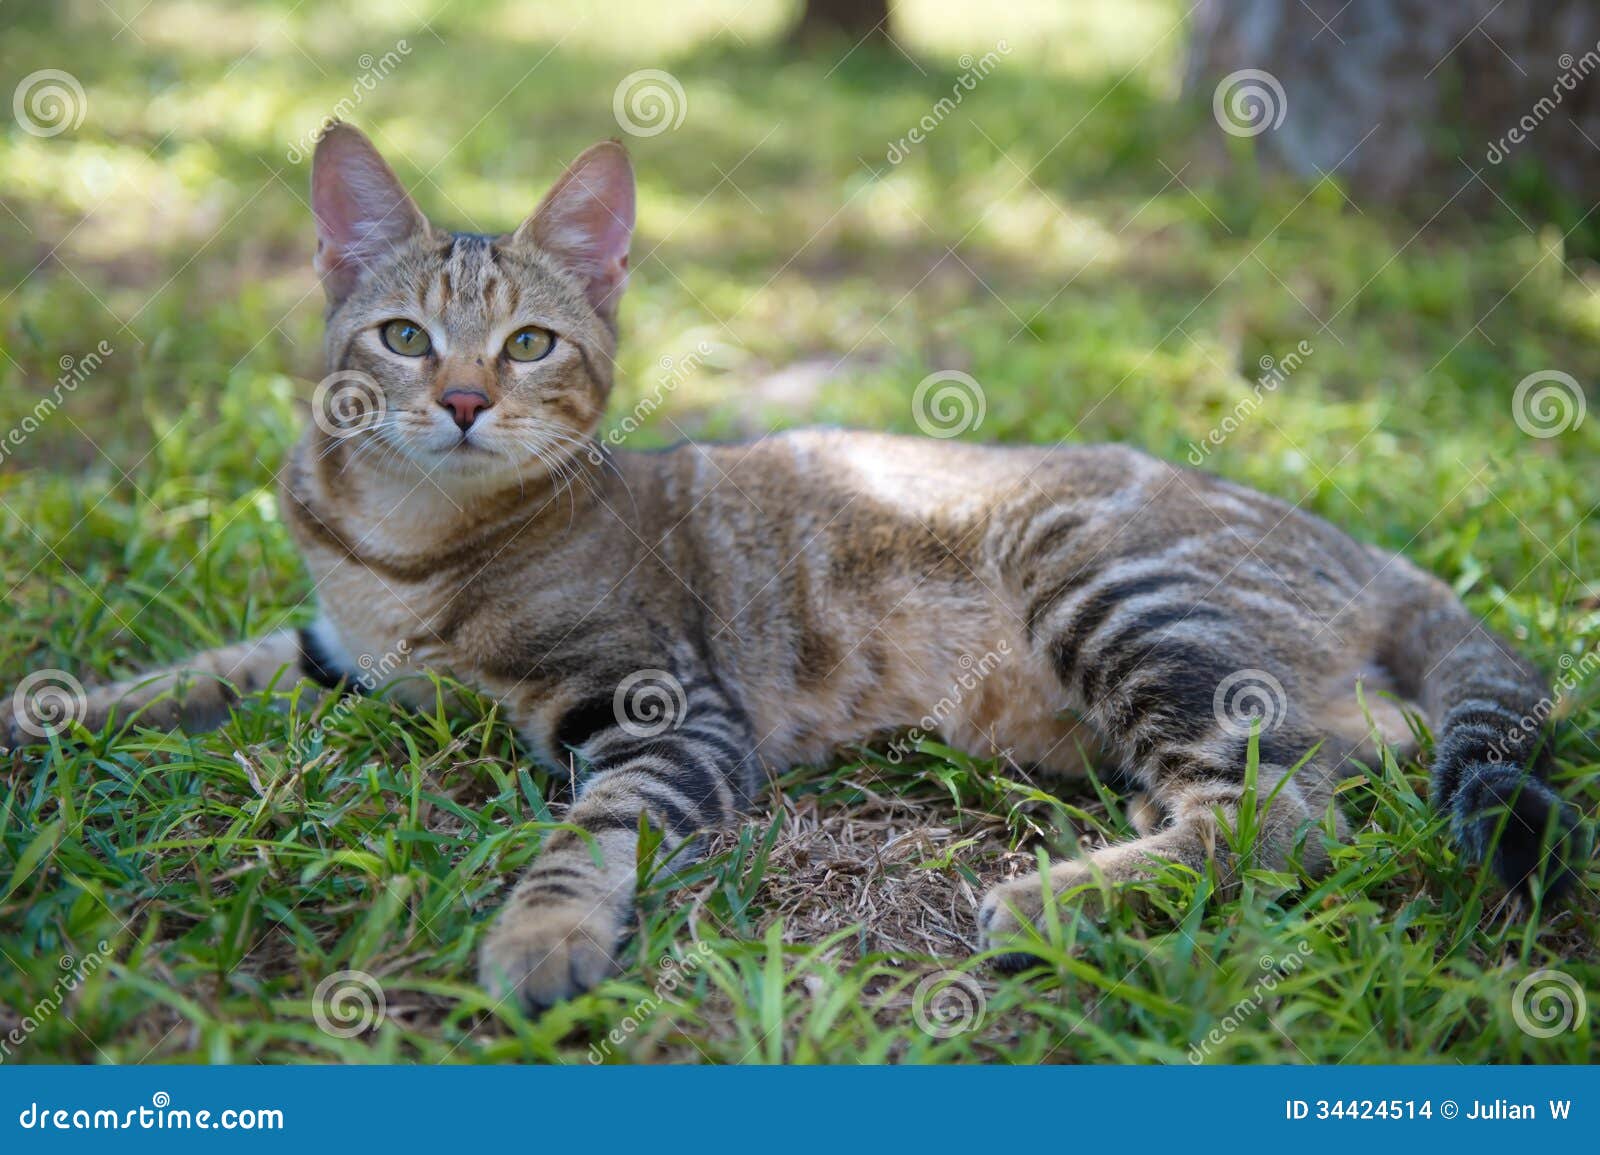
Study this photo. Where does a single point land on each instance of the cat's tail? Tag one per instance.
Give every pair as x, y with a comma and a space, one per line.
1488, 708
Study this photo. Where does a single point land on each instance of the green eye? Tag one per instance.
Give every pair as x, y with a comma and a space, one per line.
406, 338
530, 344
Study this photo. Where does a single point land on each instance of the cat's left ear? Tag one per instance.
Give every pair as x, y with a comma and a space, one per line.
586, 222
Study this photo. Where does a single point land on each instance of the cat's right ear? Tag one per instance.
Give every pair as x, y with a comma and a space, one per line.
361, 208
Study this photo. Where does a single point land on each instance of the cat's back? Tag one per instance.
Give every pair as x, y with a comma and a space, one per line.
800, 472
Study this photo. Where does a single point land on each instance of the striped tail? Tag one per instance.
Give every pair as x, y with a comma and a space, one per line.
1491, 759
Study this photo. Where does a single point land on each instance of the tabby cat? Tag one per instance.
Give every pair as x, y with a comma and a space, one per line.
675, 627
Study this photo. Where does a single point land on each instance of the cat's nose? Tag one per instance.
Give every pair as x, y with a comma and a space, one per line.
465, 405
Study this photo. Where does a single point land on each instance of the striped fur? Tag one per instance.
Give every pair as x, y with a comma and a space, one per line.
823, 588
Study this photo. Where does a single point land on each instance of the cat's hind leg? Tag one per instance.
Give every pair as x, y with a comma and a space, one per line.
1195, 824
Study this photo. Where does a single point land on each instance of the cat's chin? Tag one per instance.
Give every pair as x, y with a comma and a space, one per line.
474, 468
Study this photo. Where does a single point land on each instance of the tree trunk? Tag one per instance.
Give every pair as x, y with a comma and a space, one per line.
852, 20
1405, 99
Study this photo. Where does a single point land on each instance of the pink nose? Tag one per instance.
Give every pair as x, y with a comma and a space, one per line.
464, 406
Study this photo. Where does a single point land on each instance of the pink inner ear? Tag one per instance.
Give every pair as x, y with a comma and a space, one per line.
586, 222
361, 208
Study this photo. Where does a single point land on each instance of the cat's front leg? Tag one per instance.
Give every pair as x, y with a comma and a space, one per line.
674, 750
194, 695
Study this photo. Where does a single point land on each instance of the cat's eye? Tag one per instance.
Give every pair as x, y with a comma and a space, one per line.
406, 338
530, 344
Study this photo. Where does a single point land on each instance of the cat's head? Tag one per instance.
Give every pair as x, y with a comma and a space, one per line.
467, 355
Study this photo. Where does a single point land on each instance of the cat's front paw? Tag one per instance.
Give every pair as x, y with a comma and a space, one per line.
45, 703
1012, 913
542, 953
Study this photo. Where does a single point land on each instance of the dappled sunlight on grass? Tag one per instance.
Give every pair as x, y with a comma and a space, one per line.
1066, 235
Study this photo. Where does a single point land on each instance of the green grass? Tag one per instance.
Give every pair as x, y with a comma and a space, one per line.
1039, 240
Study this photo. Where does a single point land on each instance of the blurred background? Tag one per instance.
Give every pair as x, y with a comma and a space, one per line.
1116, 217
1342, 250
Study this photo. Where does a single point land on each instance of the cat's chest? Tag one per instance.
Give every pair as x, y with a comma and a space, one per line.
387, 627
